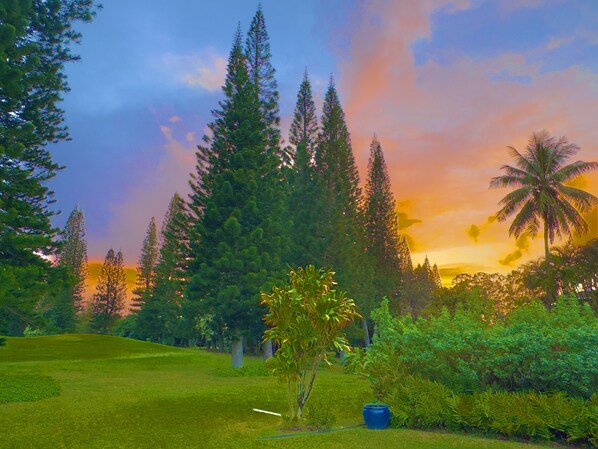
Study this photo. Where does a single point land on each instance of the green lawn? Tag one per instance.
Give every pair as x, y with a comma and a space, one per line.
119, 393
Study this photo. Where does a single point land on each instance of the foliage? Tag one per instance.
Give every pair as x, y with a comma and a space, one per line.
237, 203
532, 349
418, 287
261, 73
541, 194
159, 318
109, 299
27, 388
35, 41
492, 294
381, 227
423, 404
575, 272
2, 341
304, 200
73, 256
146, 268
306, 320
340, 221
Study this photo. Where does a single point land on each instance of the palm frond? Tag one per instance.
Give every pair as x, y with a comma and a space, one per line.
506, 181
582, 200
526, 219
575, 169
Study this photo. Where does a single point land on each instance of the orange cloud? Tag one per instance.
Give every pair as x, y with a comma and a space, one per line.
445, 127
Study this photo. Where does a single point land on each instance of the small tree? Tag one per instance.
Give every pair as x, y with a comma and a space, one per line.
306, 320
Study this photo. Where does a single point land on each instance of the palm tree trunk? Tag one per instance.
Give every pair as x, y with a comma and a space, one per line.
550, 284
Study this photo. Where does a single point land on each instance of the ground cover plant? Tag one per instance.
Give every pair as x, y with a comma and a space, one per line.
146, 395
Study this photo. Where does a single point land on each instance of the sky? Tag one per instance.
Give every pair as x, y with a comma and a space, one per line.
445, 85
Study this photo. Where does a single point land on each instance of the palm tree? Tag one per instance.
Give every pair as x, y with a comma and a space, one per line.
541, 195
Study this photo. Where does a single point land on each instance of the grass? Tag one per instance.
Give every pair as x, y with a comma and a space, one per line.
119, 393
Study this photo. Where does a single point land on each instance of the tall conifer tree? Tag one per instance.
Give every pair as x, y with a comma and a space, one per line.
35, 44
111, 291
146, 268
261, 73
73, 255
381, 227
158, 317
341, 215
303, 196
237, 205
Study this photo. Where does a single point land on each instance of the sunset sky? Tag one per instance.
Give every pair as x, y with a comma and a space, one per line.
445, 85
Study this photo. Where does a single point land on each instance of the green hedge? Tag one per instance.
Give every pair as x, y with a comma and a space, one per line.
423, 404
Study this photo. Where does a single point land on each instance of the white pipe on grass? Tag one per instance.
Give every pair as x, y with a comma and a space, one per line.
266, 411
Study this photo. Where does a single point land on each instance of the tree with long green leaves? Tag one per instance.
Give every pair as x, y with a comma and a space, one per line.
35, 43
541, 198
237, 209
146, 268
111, 291
306, 318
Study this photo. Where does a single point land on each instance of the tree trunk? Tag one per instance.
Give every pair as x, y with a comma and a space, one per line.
237, 352
268, 349
551, 286
221, 342
366, 333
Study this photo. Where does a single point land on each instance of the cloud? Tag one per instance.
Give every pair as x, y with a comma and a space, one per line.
205, 69
150, 196
445, 126
522, 244
174, 119
473, 232
406, 222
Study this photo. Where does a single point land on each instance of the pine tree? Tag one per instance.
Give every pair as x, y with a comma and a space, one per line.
109, 299
436, 279
146, 268
73, 255
237, 207
35, 45
261, 73
158, 318
303, 196
381, 227
405, 257
341, 220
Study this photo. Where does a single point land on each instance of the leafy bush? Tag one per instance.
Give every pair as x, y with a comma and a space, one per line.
30, 332
2, 341
420, 403
533, 349
27, 388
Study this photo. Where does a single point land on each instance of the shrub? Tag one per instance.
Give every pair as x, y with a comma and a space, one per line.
420, 403
533, 349
319, 415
